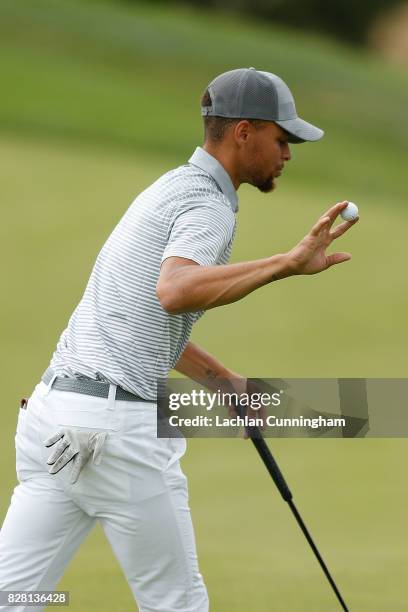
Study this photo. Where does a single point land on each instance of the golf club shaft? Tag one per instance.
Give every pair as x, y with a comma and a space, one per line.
277, 476
317, 554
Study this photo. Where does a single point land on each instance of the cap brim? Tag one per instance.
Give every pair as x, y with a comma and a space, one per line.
301, 131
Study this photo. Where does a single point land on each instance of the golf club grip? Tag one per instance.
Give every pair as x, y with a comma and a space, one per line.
261, 446
272, 466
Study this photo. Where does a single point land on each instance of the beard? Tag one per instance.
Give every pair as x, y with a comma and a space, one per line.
257, 176
265, 185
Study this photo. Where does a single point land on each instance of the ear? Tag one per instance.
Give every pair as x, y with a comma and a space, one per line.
242, 131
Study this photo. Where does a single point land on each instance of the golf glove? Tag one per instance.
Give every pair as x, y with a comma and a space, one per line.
74, 445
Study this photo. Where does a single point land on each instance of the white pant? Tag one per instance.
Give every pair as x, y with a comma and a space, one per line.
138, 493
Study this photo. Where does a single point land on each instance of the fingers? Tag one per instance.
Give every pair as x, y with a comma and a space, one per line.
97, 442
53, 439
317, 228
62, 461
77, 465
337, 258
326, 221
342, 228
335, 210
329, 217
232, 412
58, 451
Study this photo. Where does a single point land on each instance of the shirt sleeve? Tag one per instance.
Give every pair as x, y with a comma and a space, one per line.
201, 232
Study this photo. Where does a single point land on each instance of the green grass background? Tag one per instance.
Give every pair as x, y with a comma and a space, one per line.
98, 99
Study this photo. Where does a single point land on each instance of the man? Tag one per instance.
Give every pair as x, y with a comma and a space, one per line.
164, 264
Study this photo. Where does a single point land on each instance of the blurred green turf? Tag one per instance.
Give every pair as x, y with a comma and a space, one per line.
100, 99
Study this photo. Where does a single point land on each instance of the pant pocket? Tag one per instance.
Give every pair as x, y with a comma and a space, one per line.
178, 448
28, 452
67, 409
21, 422
103, 420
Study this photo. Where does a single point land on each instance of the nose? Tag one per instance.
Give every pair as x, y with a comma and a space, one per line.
286, 152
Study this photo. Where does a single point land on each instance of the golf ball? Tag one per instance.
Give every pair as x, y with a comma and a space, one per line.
350, 212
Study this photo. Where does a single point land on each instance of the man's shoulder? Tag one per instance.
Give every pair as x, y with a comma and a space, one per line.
189, 183
180, 189
188, 173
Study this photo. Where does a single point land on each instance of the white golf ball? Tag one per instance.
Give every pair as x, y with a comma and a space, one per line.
350, 212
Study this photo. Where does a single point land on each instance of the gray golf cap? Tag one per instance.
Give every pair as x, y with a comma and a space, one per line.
247, 93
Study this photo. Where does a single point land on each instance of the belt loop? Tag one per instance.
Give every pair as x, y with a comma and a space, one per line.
112, 397
49, 386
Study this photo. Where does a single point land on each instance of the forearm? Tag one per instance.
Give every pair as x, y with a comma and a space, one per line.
197, 364
192, 287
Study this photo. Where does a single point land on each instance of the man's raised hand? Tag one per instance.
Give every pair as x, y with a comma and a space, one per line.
309, 256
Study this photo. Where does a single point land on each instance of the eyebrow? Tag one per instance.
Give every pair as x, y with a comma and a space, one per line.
284, 135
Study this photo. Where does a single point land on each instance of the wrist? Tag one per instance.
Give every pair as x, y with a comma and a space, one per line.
282, 266
238, 382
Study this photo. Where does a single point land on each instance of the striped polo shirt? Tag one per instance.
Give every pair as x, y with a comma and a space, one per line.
119, 332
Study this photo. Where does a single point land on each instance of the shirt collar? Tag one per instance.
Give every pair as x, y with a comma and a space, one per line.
210, 164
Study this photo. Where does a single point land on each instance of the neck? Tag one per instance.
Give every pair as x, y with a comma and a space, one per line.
225, 160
